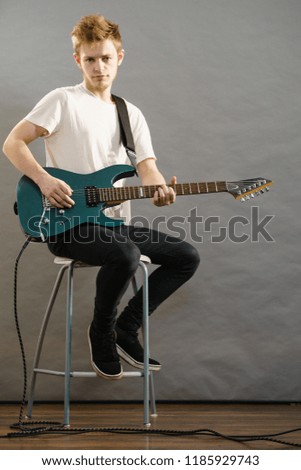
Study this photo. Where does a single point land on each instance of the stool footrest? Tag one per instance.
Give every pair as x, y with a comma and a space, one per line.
85, 374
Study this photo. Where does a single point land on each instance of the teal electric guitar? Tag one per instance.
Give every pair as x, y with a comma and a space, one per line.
93, 192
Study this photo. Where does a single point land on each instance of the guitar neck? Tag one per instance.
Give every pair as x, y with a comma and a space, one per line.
144, 192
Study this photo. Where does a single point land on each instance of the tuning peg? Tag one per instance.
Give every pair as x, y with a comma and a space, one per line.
247, 198
262, 191
242, 199
267, 189
252, 195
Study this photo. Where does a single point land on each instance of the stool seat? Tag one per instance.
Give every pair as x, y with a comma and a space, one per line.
68, 265
63, 260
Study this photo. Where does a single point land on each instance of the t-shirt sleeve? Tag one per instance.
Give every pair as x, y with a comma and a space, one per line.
48, 112
141, 134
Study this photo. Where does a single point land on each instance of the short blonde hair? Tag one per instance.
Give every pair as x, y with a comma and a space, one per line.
95, 28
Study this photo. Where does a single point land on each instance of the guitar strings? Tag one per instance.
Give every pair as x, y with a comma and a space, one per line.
137, 188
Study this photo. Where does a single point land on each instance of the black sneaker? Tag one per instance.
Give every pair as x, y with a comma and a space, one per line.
129, 348
104, 357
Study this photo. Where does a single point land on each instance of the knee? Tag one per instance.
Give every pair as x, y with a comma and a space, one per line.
128, 258
191, 258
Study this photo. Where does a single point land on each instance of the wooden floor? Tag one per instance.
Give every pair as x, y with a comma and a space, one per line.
231, 419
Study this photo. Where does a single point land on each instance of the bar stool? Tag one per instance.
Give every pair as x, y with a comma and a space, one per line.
148, 385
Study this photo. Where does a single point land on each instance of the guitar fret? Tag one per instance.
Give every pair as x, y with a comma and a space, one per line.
106, 196
221, 186
121, 192
211, 187
152, 190
115, 194
194, 188
202, 188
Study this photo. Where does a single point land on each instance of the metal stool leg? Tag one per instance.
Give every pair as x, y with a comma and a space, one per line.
69, 311
145, 344
149, 393
40, 342
154, 413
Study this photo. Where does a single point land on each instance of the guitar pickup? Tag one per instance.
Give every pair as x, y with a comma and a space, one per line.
92, 196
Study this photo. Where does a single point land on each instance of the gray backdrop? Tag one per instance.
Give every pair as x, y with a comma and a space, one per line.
219, 83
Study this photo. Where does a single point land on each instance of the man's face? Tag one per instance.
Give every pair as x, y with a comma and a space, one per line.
99, 63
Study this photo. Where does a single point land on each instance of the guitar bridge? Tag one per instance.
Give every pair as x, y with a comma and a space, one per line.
46, 203
92, 196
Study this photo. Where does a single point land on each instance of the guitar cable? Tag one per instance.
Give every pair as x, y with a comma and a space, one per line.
30, 428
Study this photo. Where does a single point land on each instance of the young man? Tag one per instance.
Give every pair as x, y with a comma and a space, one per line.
79, 125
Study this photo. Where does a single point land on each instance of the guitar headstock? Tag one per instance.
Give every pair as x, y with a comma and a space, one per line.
247, 189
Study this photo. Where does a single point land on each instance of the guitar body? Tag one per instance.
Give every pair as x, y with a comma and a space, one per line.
41, 220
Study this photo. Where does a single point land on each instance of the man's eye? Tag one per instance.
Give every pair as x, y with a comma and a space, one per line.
90, 59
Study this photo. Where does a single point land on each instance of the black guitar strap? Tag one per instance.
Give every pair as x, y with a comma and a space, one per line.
125, 130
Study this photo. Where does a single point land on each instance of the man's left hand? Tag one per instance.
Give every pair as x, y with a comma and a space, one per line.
165, 195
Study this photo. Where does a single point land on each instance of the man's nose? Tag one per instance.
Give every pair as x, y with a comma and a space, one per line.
99, 65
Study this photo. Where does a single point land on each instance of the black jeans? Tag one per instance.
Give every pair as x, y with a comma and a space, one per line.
118, 251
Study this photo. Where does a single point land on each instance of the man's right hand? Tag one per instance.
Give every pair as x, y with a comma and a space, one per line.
57, 191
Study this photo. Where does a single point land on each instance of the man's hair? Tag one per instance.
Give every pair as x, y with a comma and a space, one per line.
94, 28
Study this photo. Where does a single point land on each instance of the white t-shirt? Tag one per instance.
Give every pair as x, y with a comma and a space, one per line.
84, 134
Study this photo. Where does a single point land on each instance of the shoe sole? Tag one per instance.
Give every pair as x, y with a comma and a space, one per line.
99, 372
130, 360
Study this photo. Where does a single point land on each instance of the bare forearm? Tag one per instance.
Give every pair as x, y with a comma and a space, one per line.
149, 173
22, 158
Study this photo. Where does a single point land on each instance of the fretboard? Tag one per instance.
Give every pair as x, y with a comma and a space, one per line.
143, 192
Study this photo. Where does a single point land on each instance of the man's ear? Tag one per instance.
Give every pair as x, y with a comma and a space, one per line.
121, 56
77, 59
